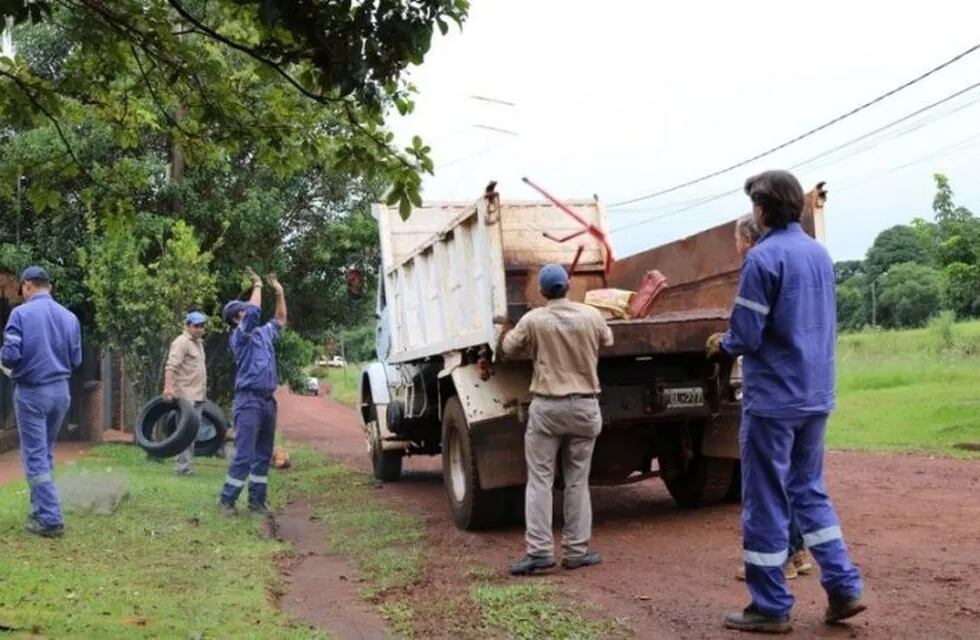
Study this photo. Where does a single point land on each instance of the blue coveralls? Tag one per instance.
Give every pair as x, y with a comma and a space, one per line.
784, 324
254, 407
42, 344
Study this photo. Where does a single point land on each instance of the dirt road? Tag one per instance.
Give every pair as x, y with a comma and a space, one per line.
912, 523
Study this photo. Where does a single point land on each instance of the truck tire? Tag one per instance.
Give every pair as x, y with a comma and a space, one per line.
172, 441
472, 508
704, 481
211, 434
385, 465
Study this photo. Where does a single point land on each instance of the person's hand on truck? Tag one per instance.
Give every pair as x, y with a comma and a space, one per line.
713, 348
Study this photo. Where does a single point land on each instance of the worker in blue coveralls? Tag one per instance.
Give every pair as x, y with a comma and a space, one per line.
42, 345
254, 407
783, 324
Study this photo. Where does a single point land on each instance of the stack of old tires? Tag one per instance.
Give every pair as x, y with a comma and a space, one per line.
164, 429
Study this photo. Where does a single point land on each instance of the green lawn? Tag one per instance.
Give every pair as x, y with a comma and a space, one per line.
166, 564
909, 390
344, 383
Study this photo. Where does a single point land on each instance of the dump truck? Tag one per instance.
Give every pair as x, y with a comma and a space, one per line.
440, 387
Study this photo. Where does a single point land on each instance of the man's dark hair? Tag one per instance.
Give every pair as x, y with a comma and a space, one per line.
556, 293
780, 196
40, 283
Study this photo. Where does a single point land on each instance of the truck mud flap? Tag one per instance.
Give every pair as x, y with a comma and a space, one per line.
499, 448
721, 435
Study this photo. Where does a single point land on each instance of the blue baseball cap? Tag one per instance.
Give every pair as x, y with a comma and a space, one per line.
231, 310
553, 279
34, 273
195, 317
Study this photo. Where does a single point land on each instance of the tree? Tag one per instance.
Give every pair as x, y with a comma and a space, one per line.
123, 119
893, 246
962, 289
846, 269
194, 56
852, 308
910, 294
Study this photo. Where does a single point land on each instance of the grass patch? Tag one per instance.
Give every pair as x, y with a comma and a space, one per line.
343, 383
535, 609
385, 544
913, 390
165, 565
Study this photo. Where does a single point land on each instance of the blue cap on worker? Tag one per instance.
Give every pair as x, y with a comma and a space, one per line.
34, 273
231, 310
195, 317
553, 278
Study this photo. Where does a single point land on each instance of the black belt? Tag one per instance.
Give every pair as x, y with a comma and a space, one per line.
576, 396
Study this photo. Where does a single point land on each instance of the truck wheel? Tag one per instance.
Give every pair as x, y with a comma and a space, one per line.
704, 481
471, 507
386, 465
735, 486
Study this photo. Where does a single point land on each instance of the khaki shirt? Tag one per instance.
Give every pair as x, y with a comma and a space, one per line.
186, 362
563, 340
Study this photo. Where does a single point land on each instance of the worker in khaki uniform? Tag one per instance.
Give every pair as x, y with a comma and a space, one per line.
563, 339
185, 376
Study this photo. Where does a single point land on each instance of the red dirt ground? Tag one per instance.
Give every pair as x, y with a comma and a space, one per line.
912, 523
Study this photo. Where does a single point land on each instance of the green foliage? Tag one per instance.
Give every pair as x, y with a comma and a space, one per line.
143, 278
847, 269
893, 246
293, 357
852, 311
943, 326
962, 288
226, 116
910, 295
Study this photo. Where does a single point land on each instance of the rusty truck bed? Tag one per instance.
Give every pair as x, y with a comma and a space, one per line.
672, 332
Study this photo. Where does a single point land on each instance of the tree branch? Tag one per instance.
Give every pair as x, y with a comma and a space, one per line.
25, 88
146, 80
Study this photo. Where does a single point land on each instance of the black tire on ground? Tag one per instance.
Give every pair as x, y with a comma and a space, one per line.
385, 465
172, 442
471, 507
735, 487
211, 435
700, 480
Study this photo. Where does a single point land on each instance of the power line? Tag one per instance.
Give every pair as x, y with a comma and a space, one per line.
806, 134
696, 202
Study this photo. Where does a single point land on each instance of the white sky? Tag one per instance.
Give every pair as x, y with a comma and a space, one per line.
624, 97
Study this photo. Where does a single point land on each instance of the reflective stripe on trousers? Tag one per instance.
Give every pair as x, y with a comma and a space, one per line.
255, 433
782, 465
41, 410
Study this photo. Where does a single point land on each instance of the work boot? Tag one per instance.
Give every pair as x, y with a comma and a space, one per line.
790, 570
588, 560
803, 566
38, 529
227, 509
843, 607
751, 619
529, 564
260, 508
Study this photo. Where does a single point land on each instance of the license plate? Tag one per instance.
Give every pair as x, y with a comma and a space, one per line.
684, 397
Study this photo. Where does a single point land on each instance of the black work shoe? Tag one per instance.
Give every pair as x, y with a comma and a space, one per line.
588, 560
38, 529
843, 607
529, 564
260, 508
227, 509
751, 619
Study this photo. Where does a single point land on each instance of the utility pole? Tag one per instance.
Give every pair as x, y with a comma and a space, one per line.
874, 302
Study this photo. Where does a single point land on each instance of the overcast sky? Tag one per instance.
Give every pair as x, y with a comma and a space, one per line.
621, 98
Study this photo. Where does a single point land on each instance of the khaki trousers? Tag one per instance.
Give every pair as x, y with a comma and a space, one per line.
568, 426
